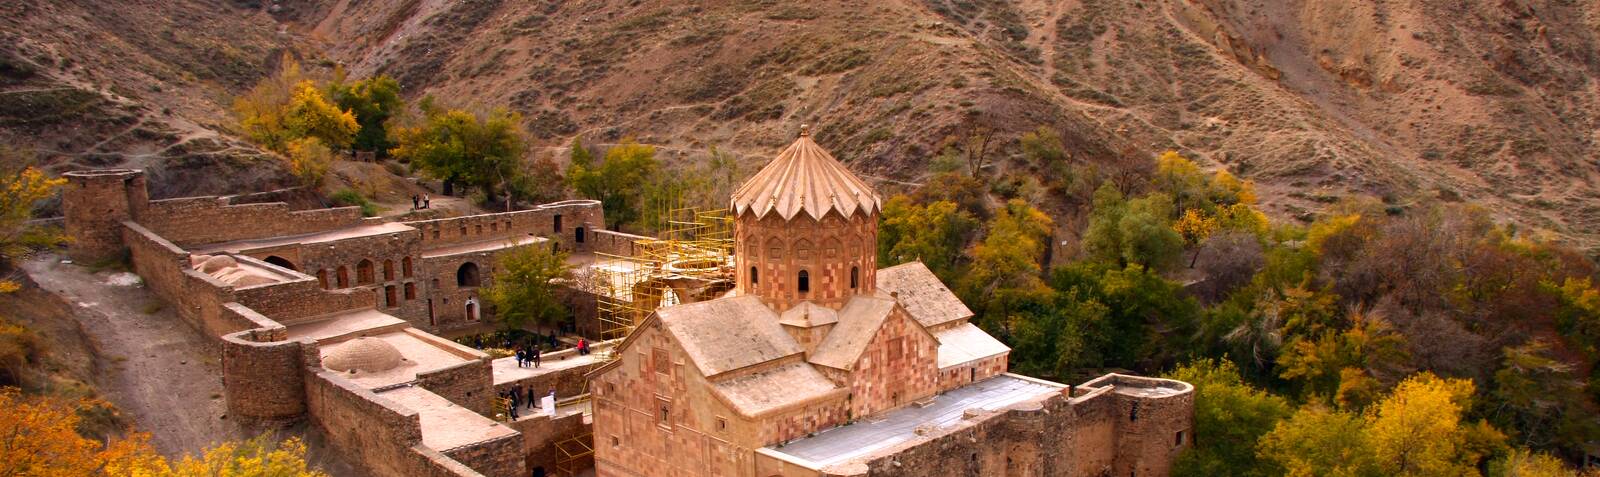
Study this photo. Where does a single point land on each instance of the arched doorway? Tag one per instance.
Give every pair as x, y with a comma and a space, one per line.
282, 262
467, 275
472, 309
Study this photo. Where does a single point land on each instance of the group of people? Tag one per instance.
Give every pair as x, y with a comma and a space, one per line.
419, 202
516, 398
527, 356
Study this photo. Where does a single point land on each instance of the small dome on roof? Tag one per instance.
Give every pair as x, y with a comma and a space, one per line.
369, 355
218, 262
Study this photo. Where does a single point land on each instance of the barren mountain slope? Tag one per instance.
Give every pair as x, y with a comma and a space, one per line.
1489, 101
89, 83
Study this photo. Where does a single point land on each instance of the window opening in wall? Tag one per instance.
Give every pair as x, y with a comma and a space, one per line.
477, 229
472, 309
463, 231
722, 424
388, 270
389, 299
432, 321
805, 281
411, 291
436, 234
615, 442
494, 226
1133, 412
467, 275
1179, 440
855, 277
755, 275
344, 277
578, 234
322, 278
974, 375
557, 223
364, 272
282, 262
405, 267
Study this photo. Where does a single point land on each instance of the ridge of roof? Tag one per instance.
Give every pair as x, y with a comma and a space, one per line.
728, 334
859, 322
804, 178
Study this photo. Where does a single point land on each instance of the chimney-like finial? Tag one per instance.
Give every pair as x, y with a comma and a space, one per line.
805, 130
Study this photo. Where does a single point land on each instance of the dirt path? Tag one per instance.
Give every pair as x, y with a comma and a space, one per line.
154, 366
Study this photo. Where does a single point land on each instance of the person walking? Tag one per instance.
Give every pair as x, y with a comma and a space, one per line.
531, 401
536, 356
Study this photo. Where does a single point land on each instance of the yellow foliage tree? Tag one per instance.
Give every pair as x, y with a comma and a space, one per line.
18, 193
1194, 226
1525, 463
311, 115
263, 110
1417, 430
309, 160
38, 437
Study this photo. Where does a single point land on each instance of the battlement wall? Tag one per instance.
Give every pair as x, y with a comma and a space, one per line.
191, 221
574, 215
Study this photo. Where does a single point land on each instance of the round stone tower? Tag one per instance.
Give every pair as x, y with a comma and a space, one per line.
806, 229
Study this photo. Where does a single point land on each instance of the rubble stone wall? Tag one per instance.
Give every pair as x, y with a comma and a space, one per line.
193, 221
378, 434
501, 457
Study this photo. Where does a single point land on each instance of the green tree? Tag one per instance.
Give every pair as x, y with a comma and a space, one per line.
1009, 256
482, 151
1131, 232
622, 181
1229, 418
934, 233
373, 101
1540, 399
1053, 338
524, 289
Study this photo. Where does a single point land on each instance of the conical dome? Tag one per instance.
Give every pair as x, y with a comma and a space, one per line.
806, 178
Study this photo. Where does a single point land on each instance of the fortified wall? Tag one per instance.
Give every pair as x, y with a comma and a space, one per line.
314, 326
1113, 425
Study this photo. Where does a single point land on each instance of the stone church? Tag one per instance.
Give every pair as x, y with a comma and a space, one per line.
819, 363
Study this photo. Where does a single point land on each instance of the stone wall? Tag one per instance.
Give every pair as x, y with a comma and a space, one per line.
567, 382
501, 457
198, 298
973, 371
541, 433
193, 221
612, 242
378, 434
539, 221
264, 377
95, 204
469, 385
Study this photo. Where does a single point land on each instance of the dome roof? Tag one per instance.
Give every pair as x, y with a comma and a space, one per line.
364, 354
804, 177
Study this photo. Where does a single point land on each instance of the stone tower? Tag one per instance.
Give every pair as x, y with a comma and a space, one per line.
806, 230
95, 204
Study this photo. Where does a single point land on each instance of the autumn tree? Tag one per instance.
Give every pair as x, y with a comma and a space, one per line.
1009, 255
373, 101
1421, 430
1316, 441
620, 181
1194, 227
1230, 416
20, 190
458, 147
309, 160
263, 111
525, 285
935, 234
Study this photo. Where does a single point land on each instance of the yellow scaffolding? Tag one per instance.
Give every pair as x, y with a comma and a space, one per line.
691, 259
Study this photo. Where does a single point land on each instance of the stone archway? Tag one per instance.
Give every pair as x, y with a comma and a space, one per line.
282, 262
468, 275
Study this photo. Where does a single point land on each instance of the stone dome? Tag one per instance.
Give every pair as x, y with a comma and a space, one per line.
369, 355
218, 262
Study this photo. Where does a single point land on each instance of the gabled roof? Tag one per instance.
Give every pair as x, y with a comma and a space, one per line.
774, 389
966, 343
804, 178
727, 334
859, 321
922, 294
807, 315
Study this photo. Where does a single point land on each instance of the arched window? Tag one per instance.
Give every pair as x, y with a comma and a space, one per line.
467, 275
344, 277
755, 275
805, 281
389, 299
855, 277
364, 272
322, 278
388, 270
282, 262
405, 266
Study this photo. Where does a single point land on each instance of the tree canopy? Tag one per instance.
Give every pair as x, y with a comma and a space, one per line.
456, 146
524, 289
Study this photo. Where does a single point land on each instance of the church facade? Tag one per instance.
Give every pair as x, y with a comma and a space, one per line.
820, 363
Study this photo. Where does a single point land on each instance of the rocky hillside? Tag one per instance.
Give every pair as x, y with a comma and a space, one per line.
1490, 101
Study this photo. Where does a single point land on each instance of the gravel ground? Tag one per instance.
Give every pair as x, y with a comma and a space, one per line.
154, 366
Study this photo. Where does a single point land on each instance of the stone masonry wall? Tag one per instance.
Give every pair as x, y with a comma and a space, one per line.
95, 204
265, 381
503, 457
380, 435
538, 221
469, 385
567, 382
540, 433
772, 253
193, 221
